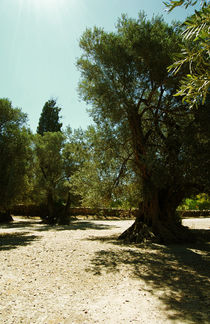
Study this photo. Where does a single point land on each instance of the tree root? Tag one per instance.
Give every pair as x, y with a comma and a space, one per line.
140, 232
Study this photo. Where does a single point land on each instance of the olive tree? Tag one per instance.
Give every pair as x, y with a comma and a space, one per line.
49, 169
124, 77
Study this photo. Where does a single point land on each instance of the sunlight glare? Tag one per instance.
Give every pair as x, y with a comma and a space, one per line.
43, 5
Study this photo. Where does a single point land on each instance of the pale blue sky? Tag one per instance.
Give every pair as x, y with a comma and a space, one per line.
39, 46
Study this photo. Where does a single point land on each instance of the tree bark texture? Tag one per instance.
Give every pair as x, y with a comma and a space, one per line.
157, 222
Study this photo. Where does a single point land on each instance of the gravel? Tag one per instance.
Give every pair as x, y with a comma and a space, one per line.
82, 274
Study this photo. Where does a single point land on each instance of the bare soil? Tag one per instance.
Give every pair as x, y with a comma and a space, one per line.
82, 274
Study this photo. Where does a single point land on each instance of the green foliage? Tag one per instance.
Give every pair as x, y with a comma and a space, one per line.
15, 152
88, 180
194, 85
199, 202
49, 119
49, 162
186, 3
103, 175
74, 156
57, 158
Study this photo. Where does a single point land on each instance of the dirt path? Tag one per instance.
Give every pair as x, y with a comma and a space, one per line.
81, 274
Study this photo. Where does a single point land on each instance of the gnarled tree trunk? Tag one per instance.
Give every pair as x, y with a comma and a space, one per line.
157, 221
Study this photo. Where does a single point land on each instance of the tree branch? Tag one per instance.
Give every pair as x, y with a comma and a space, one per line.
122, 168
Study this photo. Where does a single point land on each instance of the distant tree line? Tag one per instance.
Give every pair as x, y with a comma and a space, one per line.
58, 168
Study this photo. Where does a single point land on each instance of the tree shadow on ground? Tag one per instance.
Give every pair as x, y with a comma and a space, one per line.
38, 225
178, 275
10, 241
77, 225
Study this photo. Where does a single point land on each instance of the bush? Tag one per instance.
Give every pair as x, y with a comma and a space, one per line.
199, 202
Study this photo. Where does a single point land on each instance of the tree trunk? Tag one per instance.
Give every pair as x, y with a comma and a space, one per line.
64, 216
50, 207
5, 217
157, 222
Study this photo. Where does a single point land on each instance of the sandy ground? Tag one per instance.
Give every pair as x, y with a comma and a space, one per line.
82, 274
